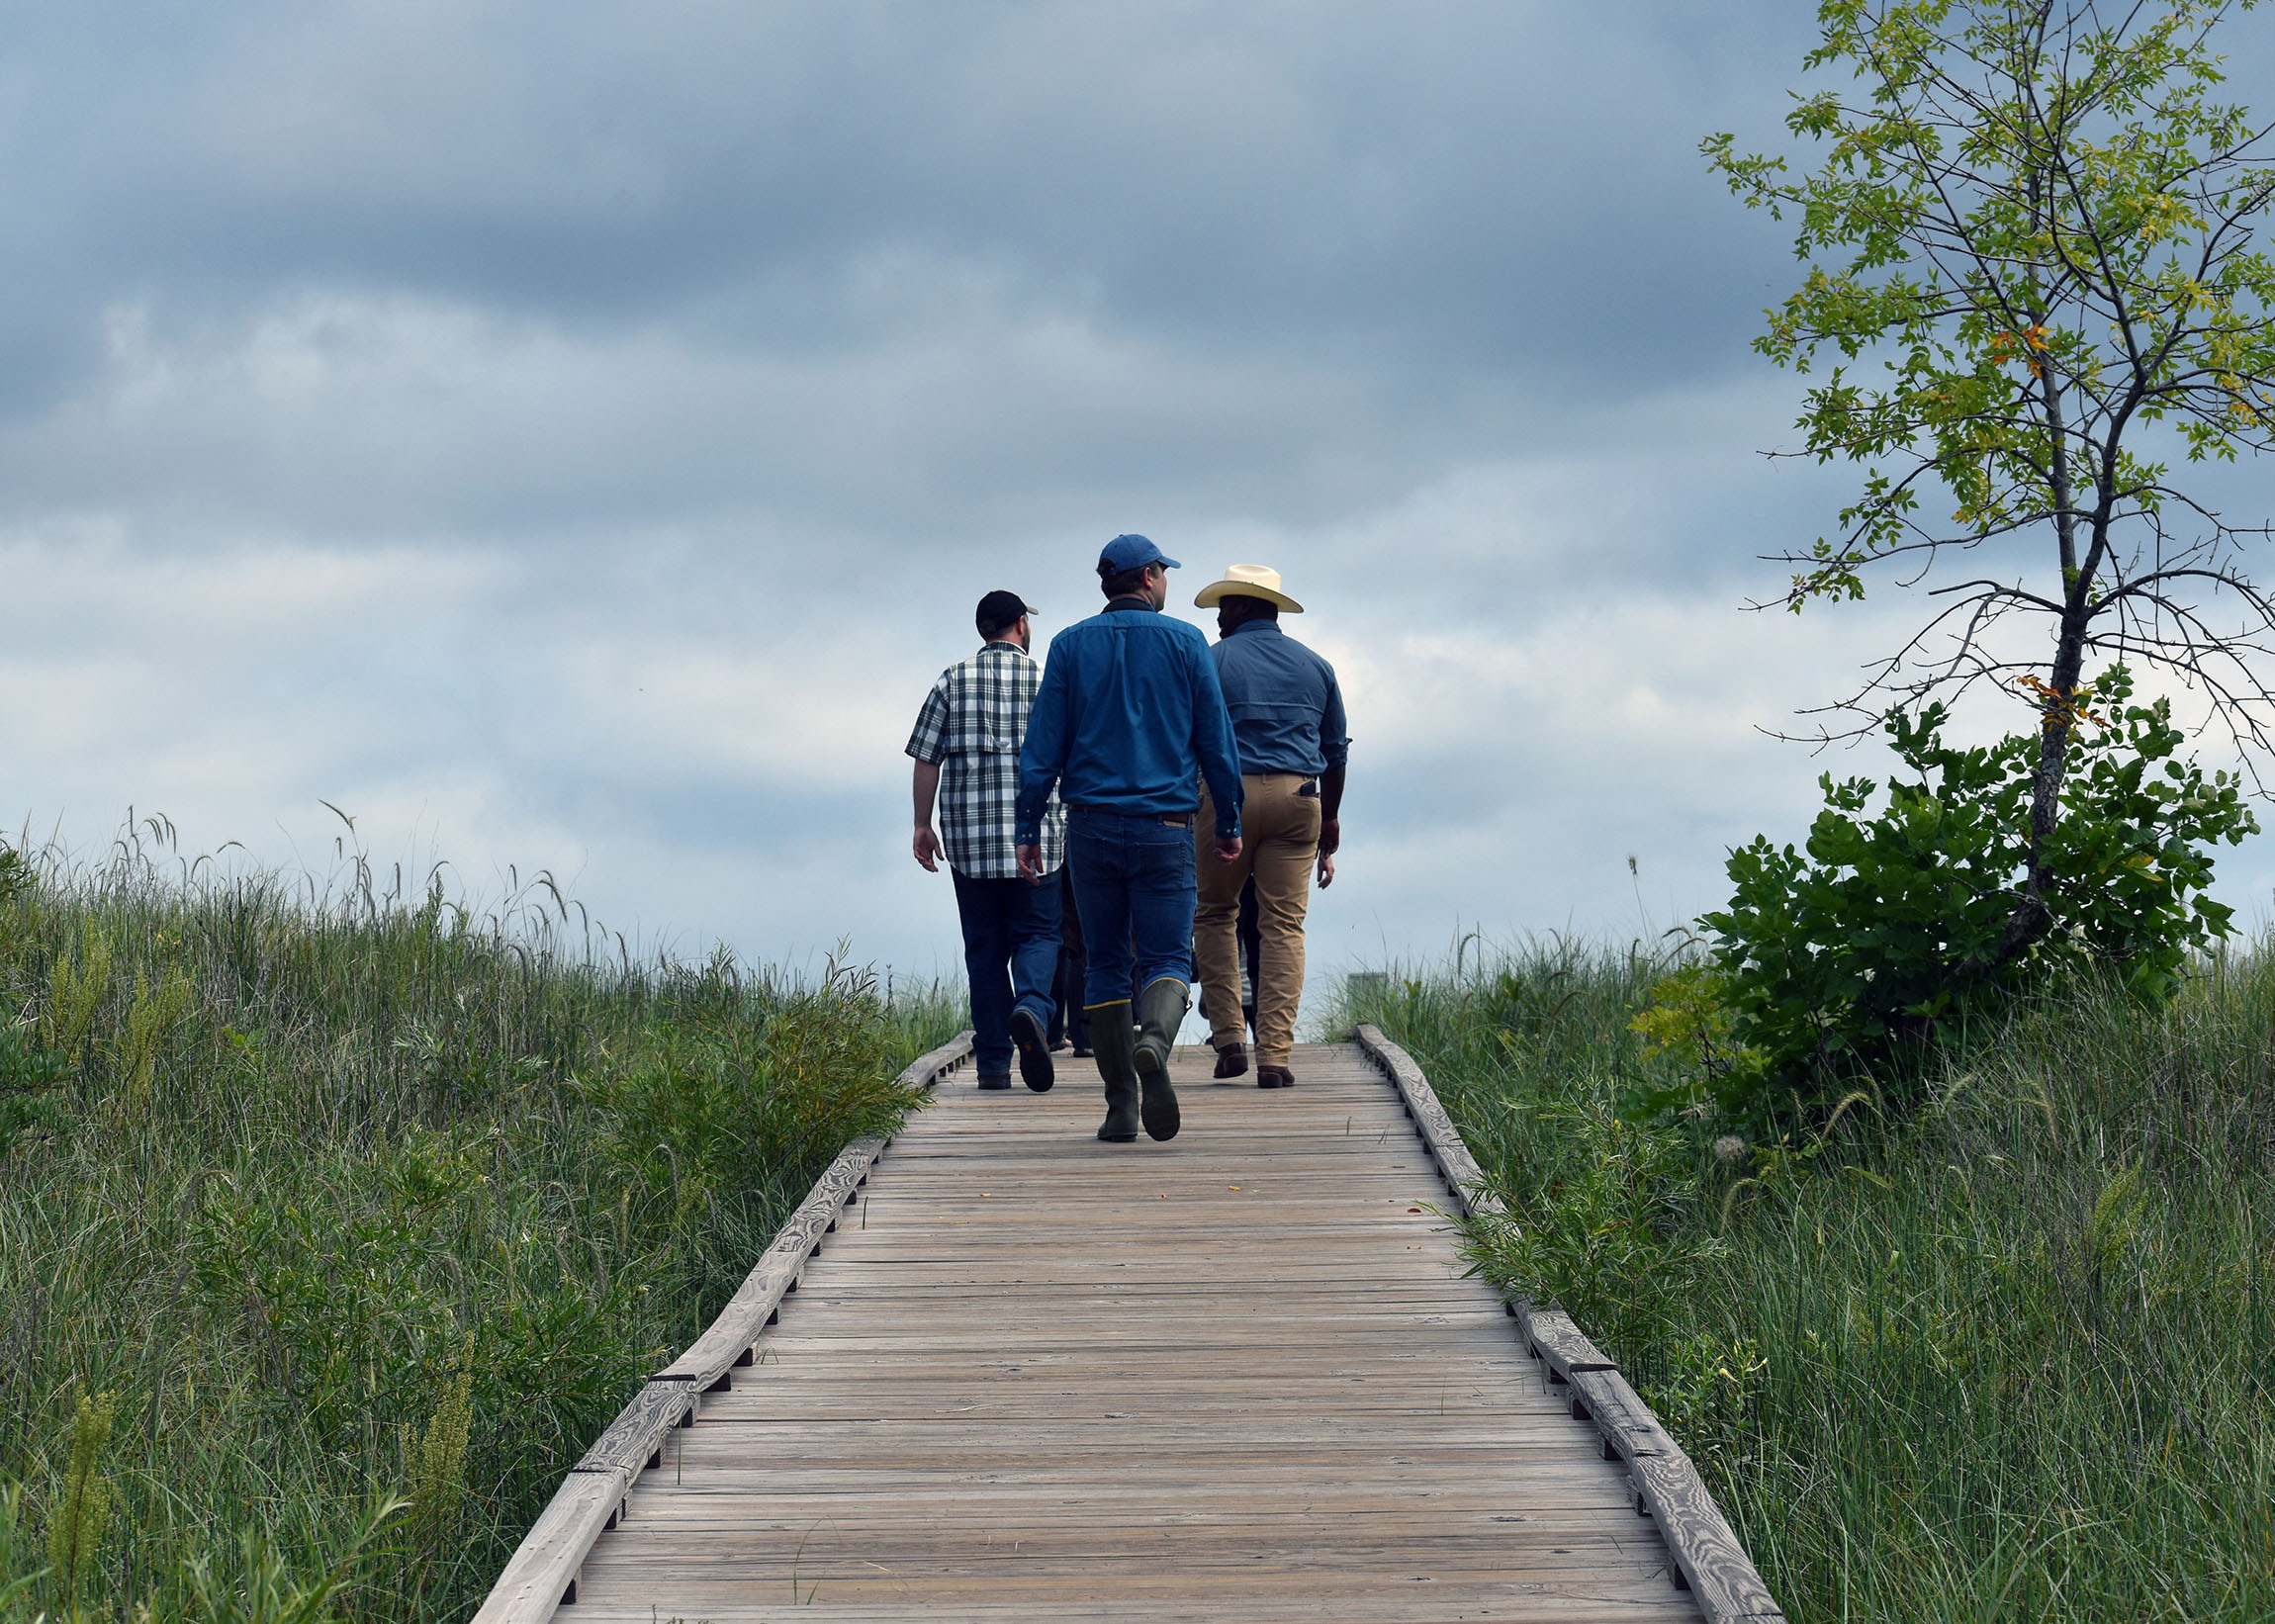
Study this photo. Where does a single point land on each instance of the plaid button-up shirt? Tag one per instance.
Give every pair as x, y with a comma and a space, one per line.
972, 726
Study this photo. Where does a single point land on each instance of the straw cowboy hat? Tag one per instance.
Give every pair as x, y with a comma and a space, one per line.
1246, 581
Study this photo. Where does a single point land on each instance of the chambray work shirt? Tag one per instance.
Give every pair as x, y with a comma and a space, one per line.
1287, 711
1130, 718
971, 728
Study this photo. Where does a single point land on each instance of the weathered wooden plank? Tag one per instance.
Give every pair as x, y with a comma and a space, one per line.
1437, 1130
728, 1340
638, 1433
927, 1069
1629, 1428
1555, 1340
1516, 1602
1718, 1573
543, 1570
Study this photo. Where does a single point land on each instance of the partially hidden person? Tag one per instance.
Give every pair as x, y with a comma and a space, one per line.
966, 747
1288, 719
1128, 722
1070, 1024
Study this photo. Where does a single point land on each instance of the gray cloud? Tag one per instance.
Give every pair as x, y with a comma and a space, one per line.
1478, 188
571, 436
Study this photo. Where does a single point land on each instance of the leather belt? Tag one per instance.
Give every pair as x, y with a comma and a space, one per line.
1175, 820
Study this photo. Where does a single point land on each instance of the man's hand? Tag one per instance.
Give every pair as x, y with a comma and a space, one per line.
1031, 865
1327, 869
927, 847
1228, 848
1330, 836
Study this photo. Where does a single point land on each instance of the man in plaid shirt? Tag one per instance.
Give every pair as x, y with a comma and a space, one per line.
967, 748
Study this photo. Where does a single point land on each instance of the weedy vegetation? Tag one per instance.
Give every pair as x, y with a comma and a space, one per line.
2006, 1351
334, 1224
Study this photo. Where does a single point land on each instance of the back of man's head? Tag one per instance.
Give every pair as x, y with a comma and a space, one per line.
998, 612
1124, 563
1122, 582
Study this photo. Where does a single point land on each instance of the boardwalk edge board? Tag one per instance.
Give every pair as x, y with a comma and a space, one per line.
1709, 1560
542, 1573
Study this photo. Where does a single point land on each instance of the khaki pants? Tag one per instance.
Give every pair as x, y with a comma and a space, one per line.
1279, 843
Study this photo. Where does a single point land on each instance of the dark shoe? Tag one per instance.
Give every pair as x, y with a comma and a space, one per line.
1034, 1050
1233, 1061
1275, 1077
1083, 1051
1117, 1069
1160, 1012
1003, 1081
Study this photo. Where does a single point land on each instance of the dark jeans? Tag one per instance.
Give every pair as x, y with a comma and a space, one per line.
1070, 1022
1010, 958
1133, 888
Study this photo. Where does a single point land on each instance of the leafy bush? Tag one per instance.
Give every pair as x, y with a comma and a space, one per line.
1850, 961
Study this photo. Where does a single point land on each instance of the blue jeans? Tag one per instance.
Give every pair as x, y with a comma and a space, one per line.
1133, 890
1010, 959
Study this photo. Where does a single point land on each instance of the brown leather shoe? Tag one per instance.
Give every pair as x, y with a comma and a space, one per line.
1233, 1061
1275, 1077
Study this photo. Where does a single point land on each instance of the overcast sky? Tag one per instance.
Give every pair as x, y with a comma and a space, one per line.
572, 436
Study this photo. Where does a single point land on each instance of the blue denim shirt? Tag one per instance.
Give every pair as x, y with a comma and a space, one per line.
1287, 711
1129, 717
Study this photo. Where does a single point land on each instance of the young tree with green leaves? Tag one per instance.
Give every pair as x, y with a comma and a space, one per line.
2032, 270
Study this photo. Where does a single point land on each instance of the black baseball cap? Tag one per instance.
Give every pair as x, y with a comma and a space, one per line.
999, 609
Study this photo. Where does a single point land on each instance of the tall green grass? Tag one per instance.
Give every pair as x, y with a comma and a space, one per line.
347, 1221
2010, 1359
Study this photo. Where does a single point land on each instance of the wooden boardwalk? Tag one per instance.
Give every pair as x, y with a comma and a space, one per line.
1233, 1376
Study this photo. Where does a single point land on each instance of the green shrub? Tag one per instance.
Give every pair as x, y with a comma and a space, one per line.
1853, 960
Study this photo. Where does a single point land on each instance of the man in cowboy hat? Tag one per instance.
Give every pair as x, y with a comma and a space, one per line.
1127, 721
1287, 718
966, 748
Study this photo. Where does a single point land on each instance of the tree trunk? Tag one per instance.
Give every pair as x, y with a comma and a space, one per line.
2058, 713
2057, 708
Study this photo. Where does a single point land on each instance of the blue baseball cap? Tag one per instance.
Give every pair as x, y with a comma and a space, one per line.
1131, 553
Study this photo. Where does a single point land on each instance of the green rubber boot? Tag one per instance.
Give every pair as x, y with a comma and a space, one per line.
1115, 1044
1160, 1012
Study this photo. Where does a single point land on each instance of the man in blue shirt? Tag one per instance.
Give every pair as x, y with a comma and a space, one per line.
1288, 717
1127, 722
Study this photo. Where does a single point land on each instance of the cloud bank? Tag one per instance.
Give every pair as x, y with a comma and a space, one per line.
572, 437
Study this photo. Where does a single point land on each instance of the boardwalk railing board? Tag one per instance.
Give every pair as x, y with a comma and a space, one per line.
541, 1575
545, 1564
728, 1341
1556, 1341
1710, 1563
1463, 1177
